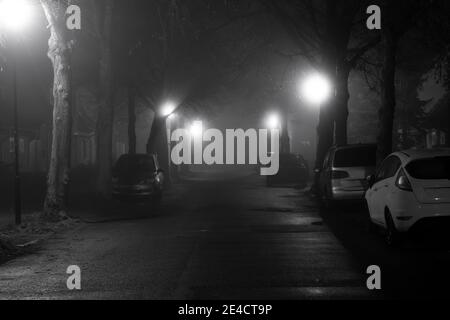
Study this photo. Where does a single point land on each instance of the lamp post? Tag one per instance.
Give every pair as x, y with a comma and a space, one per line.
17, 189
315, 90
14, 16
168, 112
171, 121
196, 131
273, 121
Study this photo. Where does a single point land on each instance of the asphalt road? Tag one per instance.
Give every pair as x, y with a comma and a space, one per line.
223, 236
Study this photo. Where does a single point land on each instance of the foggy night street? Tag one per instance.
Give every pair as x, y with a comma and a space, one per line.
196, 151
222, 238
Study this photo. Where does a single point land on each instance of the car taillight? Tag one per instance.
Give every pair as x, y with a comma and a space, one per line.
336, 175
402, 181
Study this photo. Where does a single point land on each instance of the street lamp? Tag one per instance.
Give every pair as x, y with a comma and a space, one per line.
273, 121
172, 116
316, 89
14, 16
196, 129
168, 109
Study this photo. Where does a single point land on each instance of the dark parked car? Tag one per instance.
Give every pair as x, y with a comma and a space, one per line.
344, 171
138, 177
293, 170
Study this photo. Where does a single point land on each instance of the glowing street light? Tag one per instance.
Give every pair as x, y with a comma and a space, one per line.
273, 121
196, 128
316, 89
168, 108
15, 14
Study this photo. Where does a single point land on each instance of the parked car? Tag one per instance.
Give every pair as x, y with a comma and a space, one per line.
293, 170
138, 177
344, 171
410, 189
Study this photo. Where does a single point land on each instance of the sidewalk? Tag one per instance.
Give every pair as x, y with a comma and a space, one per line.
211, 239
6, 218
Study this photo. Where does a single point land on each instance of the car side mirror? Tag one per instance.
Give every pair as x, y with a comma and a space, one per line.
371, 180
317, 170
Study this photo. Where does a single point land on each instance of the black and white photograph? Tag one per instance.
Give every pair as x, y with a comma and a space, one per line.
208, 153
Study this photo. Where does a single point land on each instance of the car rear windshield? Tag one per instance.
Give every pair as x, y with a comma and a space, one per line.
128, 164
430, 169
355, 157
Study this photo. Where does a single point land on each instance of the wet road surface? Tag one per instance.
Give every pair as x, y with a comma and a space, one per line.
225, 237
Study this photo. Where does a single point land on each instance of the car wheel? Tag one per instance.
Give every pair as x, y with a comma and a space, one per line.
391, 235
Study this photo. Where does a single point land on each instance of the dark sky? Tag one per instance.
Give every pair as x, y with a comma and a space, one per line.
269, 82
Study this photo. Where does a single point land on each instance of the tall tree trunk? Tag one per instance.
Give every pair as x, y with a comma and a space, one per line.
59, 54
325, 127
106, 109
342, 97
324, 134
387, 110
332, 126
158, 144
324, 141
285, 141
131, 120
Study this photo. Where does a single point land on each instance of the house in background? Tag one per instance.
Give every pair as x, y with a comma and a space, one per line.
83, 149
35, 147
28, 147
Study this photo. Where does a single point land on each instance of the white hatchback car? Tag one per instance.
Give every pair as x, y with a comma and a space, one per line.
408, 189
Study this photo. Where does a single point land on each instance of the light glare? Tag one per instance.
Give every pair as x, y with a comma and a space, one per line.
168, 108
15, 14
273, 121
172, 116
196, 129
316, 89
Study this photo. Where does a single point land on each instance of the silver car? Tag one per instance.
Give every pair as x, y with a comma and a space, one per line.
344, 172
